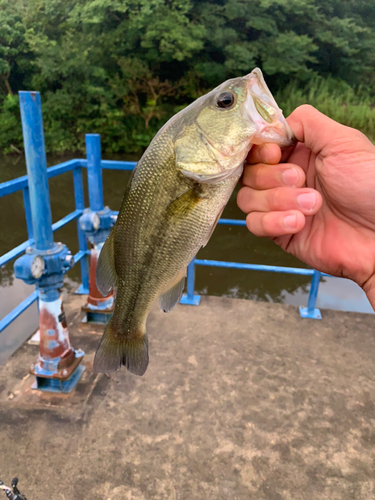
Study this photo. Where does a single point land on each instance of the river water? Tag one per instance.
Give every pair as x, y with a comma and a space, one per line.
228, 243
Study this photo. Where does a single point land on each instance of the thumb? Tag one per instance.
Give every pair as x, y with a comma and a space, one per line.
315, 129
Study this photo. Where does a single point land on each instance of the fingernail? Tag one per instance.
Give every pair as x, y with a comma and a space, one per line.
307, 200
290, 221
290, 177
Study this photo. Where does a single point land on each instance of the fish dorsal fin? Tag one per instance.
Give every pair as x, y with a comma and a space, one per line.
106, 277
169, 299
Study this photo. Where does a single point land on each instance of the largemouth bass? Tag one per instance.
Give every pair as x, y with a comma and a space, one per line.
172, 204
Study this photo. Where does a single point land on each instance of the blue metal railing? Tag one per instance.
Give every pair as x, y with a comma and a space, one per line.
76, 166
21, 184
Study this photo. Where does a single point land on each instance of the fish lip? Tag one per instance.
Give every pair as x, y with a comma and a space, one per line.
278, 130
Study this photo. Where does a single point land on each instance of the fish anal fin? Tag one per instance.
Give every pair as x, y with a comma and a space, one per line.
169, 299
106, 277
115, 350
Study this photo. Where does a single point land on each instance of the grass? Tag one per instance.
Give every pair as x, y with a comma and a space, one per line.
336, 99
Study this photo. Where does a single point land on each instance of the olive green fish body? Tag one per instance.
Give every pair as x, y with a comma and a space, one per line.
170, 208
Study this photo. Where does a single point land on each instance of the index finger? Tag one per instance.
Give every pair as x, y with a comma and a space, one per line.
315, 129
266, 153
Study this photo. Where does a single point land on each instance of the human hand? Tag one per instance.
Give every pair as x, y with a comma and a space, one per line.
320, 204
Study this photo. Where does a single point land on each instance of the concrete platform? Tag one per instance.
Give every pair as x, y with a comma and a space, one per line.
242, 400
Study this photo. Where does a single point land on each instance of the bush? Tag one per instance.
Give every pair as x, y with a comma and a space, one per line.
10, 125
336, 99
67, 120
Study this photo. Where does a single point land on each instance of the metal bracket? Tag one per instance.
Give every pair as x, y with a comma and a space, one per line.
190, 301
58, 385
82, 290
305, 312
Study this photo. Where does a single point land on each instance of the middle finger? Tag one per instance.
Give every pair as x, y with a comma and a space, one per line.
264, 176
307, 201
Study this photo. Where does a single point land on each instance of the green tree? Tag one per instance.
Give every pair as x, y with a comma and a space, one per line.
12, 44
123, 67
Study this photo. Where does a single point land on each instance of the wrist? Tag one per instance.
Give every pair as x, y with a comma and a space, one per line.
369, 289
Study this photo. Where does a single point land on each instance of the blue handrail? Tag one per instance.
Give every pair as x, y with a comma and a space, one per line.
76, 165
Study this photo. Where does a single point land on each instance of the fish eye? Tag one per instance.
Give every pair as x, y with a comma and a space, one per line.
225, 100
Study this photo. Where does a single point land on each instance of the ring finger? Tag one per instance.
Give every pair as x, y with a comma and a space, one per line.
307, 201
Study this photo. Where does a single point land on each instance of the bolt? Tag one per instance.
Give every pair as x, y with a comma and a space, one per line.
28, 250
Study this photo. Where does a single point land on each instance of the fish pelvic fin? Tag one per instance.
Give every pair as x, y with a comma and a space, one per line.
106, 277
171, 297
115, 350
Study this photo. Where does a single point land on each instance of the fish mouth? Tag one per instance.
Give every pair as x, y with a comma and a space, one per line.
262, 109
216, 177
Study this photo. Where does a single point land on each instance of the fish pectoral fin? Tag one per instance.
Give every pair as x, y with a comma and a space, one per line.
213, 228
106, 277
182, 206
169, 299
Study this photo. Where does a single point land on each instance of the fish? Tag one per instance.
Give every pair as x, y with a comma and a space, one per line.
171, 205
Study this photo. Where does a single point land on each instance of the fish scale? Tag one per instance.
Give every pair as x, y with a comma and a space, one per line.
172, 204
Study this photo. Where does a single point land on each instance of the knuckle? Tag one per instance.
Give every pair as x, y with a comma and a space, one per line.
254, 155
243, 198
274, 199
301, 176
252, 225
360, 136
258, 225
256, 177
268, 225
305, 108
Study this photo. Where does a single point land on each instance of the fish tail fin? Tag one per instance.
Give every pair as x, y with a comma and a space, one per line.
115, 350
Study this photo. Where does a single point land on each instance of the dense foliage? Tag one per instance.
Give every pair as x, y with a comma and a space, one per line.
122, 67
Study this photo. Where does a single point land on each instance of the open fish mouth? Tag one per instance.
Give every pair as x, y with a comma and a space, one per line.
262, 109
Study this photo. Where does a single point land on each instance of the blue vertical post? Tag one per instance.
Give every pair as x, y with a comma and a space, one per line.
311, 311
36, 163
29, 222
45, 263
95, 187
96, 223
82, 240
189, 298
94, 172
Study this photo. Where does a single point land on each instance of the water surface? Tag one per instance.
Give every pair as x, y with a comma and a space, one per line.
228, 243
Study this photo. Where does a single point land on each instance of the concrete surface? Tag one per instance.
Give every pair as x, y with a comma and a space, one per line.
242, 400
